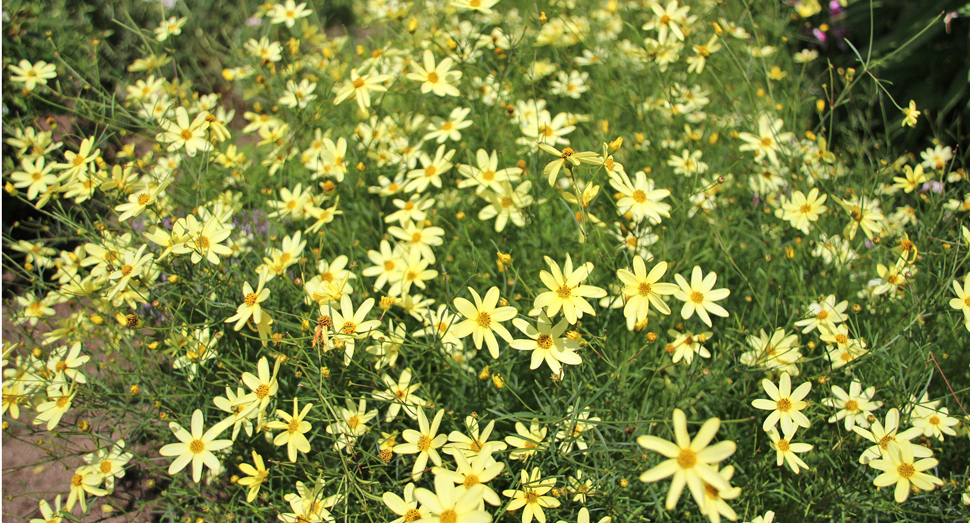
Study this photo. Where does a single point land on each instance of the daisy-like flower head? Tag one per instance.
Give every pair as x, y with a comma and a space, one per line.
406, 507
528, 441
547, 343
474, 442
477, 471
802, 210
900, 467
767, 142
401, 395
640, 198
256, 476
294, 427
424, 442
32, 74
250, 307
854, 406
566, 291
289, 12
568, 158
360, 87
439, 79
883, 435
183, 133
263, 388
643, 289
690, 462
531, 497
699, 296
196, 447
786, 450
935, 423
483, 320
785, 405
448, 504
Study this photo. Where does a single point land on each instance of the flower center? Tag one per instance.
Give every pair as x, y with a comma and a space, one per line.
78, 160
531, 497
196, 446
783, 445
471, 481
711, 491
852, 405
806, 208
62, 402
564, 291
60, 367
293, 426
105, 467
687, 458
77, 480
644, 289
203, 242
143, 199
412, 515
389, 265
186, 134
348, 327
906, 470
262, 391
784, 405
433, 77
665, 19
697, 297
424, 443
430, 171
408, 206
325, 321
767, 141
484, 320
250, 299
841, 339
358, 83
934, 420
488, 175
639, 196
353, 422
884, 442
544, 341
448, 516
567, 152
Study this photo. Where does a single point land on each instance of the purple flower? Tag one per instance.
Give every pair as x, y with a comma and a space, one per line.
819, 34
932, 185
835, 7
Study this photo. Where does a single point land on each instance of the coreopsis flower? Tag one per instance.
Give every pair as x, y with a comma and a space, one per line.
55, 407
298, 96
667, 21
786, 451
779, 351
785, 405
289, 12
699, 296
882, 435
263, 388
34, 176
892, 279
577, 425
294, 427
825, 314
256, 476
579, 487
32, 74
441, 130
486, 175
571, 85
547, 343
900, 467
242, 414
412, 210
687, 344
35, 308
483, 320
937, 157
78, 162
691, 463
566, 291
474, 442
389, 346
431, 171
386, 262
912, 179
351, 425
696, 63
854, 406
84, 481
48, 515
482, 6
196, 447
528, 441
802, 210
842, 349
962, 301
170, 27
506, 205
935, 423
643, 289
479, 471
447, 504
250, 307
865, 214
715, 504
910, 114
568, 159
406, 507
65, 362
419, 236
413, 271
766, 143
438, 79
531, 497
183, 133
133, 265
109, 463
424, 442
360, 87
688, 163
350, 325
401, 395
640, 199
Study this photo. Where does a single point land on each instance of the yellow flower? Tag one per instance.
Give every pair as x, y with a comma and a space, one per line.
250, 307
699, 296
532, 497
32, 74
257, 476
483, 320
195, 447
689, 462
911, 114
294, 427
641, 289
785, 405
566, 292
568, 158
900, 467
425, 443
